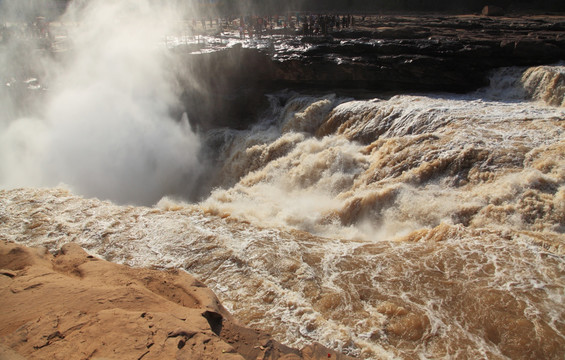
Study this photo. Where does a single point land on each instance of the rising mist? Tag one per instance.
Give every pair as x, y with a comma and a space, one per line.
97, 115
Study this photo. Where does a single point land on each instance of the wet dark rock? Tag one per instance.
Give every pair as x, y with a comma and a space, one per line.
383, 53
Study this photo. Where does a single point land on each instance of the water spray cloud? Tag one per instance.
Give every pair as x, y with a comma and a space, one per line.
105, 128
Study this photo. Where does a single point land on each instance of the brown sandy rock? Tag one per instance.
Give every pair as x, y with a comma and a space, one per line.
76, 306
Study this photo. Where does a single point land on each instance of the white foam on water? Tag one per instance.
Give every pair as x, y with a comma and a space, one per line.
418, 226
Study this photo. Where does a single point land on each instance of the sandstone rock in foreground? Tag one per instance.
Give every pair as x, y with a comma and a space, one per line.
75, 306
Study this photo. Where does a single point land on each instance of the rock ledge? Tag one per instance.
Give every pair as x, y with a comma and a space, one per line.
76, 306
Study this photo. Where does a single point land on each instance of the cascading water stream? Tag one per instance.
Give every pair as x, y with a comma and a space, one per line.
423, 226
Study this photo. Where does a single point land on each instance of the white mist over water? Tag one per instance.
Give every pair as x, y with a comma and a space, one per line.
104, 128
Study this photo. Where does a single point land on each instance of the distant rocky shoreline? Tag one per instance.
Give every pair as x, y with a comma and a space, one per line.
223, 77
432, 53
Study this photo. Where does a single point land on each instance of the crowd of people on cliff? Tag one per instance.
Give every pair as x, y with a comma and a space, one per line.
322, 24
247, 26
36, 29
255, 26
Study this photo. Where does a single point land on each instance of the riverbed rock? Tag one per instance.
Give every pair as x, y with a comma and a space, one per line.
74, 305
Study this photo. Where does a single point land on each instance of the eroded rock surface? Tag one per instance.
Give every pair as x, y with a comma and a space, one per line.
76, 306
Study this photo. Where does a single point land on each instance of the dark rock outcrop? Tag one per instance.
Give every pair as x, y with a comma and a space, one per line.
382, 53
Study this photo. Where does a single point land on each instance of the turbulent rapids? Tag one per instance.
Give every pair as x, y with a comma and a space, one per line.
411, 226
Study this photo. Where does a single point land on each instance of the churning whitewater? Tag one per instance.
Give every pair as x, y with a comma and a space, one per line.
412, 226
